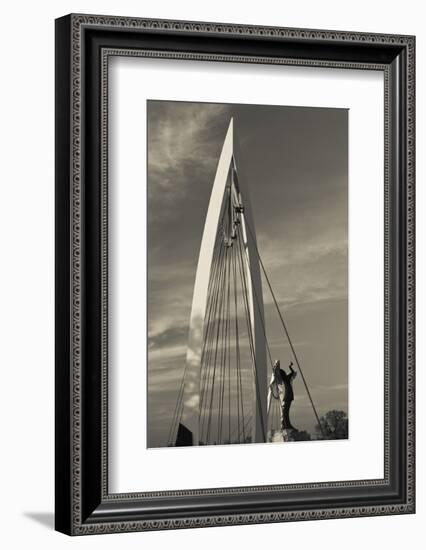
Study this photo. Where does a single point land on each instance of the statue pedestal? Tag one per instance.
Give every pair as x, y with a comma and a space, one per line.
278, 436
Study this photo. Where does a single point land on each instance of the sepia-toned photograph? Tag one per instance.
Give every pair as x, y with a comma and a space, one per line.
247, 263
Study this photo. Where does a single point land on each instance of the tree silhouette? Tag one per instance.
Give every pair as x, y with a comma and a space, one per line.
334, 425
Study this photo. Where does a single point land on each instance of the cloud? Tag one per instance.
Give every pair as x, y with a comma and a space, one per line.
314, 272
183, 143
170, 337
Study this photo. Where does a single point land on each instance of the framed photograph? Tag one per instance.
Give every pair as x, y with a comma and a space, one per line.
234, 274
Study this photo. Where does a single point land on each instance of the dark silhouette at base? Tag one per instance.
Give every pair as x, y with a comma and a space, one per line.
184, 436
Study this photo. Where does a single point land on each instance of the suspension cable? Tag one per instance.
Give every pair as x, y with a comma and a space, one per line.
285, 329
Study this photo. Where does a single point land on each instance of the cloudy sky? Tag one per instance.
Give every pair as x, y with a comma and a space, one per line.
295, 160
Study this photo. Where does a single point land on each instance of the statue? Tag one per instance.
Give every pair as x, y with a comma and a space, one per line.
286, 380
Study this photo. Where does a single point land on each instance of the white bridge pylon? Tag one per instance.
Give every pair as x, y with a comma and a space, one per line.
230, 158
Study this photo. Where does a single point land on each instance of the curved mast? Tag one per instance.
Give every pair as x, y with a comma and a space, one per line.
229, 161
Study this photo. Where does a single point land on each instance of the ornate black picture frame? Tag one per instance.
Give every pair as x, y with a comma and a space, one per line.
83, 45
